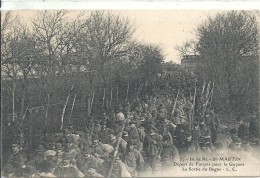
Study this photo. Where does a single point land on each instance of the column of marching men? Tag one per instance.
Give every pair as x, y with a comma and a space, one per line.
128, 140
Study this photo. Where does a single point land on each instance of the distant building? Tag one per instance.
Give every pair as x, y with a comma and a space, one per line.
190, 61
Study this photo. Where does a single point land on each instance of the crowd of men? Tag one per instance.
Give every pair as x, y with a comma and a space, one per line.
127, 140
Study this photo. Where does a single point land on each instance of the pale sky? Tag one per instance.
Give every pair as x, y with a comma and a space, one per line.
167, 28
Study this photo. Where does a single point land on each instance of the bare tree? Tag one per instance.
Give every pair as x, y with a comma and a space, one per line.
108, 37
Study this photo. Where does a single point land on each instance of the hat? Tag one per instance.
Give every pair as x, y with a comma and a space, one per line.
15, 144
112, 137
151, 127
86, 150
80, 133
131, 142
58, 146
66, 156
40, 148
103, 123
49, 153
125, 133
132, 122
142, 119
237, 140
233, 146
120, 116
94, 137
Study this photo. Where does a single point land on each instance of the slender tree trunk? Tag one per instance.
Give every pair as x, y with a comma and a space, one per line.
23, 98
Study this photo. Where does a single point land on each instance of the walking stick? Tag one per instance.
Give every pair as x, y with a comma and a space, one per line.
193, 107
175, 102
203, 88
92, 100
127, 90
104, 97
111, 96
206, 99
116, 150
211, 96
72, 107
23, 117
117, 94
64, 108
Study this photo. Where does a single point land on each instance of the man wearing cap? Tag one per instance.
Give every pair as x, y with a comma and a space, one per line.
133, 159
152, 146
17, 154
66, 169
104, 133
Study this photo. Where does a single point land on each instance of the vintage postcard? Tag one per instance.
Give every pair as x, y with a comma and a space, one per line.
129, 91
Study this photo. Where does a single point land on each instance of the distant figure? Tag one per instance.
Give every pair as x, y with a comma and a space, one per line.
243, 130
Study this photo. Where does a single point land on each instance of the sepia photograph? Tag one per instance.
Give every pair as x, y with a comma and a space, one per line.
130, 93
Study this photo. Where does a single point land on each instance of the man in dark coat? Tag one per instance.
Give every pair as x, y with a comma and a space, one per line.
17, 155
152, 147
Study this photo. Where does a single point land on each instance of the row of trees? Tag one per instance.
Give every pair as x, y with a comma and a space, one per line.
91, 49
228, 47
